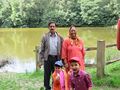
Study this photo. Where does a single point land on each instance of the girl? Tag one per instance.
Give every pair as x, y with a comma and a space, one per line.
59, 77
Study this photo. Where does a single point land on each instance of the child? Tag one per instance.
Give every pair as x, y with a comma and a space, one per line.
59, 77
79, 80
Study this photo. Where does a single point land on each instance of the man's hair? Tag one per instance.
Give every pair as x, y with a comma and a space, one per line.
51, 23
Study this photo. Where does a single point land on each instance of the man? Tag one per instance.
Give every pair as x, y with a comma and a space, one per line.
50, 52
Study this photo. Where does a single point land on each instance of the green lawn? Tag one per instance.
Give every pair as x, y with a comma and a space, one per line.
111, 81
34, 81
13, 81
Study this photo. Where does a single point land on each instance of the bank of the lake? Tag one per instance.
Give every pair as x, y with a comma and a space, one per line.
34, 81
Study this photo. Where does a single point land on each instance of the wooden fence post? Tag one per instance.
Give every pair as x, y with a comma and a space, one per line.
100, 58
37, 57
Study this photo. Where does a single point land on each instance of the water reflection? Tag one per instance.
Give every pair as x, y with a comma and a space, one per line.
20, 43
19, 67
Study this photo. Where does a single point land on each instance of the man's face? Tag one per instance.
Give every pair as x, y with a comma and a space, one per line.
52, 27
75, 67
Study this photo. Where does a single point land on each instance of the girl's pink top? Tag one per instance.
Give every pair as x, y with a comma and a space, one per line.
60, 84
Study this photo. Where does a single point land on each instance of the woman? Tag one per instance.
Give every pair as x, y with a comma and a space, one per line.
73, 46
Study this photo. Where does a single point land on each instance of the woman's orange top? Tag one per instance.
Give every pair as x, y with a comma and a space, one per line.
73, 48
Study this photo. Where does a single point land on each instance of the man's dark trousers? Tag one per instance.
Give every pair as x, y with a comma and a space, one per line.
48, 70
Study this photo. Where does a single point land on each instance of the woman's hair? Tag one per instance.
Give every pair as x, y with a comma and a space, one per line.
71, 27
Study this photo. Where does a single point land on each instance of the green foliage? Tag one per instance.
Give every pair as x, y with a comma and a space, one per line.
111, 53
37, 13
93, 14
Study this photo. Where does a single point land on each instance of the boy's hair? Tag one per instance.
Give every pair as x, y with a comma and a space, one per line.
75, 59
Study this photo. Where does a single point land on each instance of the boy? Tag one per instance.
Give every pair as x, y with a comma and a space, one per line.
59, 77
79, 80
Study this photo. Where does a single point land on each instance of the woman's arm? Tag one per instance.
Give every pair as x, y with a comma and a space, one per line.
64, 53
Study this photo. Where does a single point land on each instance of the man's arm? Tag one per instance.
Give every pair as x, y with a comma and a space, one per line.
42, 50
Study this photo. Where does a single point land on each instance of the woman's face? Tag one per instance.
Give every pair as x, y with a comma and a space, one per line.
73, 32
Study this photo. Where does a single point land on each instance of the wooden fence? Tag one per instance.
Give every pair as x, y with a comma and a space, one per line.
100, 65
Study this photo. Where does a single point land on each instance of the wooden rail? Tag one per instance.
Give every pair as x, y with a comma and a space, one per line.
91, 48
112, 61
100, 57
95, 48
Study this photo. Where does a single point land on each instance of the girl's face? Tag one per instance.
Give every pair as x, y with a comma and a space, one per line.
73, 32
75, 67
57, 69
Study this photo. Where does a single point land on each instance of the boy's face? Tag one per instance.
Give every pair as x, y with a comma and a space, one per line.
75, 67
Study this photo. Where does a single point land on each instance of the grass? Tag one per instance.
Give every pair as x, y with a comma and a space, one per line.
111, 53
28, 81
111, 81
34, 81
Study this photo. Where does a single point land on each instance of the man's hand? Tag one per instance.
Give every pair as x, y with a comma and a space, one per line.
39, 65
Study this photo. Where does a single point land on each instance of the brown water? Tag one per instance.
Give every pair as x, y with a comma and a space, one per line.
18, 44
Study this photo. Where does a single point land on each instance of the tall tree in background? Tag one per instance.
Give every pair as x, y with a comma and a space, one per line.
37, 13
99, 12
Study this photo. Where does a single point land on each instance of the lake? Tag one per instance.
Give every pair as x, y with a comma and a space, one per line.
19, 43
